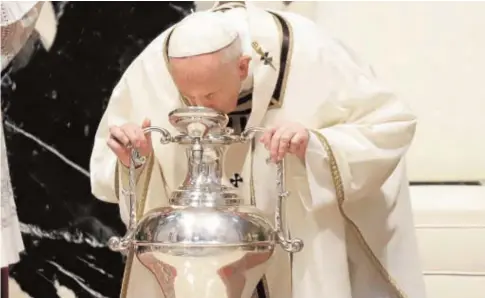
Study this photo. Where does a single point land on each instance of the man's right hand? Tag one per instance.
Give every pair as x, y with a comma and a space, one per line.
129, 134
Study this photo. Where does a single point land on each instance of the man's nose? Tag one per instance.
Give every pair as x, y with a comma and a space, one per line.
202, 101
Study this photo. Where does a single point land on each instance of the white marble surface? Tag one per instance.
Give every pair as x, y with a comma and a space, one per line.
16, 291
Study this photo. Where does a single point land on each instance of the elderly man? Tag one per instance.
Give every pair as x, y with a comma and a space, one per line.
343, 136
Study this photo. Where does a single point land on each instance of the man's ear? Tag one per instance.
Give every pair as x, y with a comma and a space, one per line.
244, 66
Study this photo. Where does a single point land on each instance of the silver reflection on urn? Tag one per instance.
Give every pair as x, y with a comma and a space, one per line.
207, 242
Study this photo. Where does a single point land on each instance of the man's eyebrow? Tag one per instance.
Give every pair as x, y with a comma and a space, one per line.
208, 93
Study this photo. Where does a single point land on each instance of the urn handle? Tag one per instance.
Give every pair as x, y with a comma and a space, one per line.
289, 245
124, 243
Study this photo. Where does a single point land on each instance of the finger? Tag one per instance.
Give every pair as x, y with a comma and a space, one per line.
297, 140
118, 135
133, 134
141, 141
119, 150
147, 123
275, 143
294, 149
285, 142
146, 144
266, 138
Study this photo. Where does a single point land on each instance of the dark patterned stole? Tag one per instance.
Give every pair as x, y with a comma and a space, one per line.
239, 118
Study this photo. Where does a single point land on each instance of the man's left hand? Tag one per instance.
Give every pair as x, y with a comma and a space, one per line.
286, 138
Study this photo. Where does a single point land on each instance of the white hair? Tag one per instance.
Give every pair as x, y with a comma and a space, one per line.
233, 51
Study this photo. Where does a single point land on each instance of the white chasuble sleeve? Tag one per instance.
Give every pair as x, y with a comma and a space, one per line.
366, 128
106, 173
103, 162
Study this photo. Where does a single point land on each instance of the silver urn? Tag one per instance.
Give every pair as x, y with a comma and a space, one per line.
207, 243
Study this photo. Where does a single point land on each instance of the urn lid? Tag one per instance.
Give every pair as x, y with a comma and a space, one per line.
212, 121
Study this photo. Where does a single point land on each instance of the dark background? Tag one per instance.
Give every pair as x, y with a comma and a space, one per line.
51, 108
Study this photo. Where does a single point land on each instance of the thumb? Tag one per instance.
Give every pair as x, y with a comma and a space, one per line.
146, 123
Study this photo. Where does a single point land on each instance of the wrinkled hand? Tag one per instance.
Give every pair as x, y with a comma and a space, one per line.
121, 137
286, 138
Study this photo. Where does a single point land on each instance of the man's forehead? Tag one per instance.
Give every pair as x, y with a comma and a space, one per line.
210, 61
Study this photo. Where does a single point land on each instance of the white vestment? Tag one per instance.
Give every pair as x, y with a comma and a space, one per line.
11, 243
350, 207
17, 22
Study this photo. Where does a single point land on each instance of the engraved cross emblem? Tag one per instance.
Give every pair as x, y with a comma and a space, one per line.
267, 59
236, 180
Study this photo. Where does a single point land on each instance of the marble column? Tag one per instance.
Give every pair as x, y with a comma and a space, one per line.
52, 101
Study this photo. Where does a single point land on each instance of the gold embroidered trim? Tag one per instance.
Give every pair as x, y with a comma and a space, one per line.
117, 180
140, 211
252, 194
265, 286
278, 102
339, 191
126, 274
255, 294
288, 61
164, 181
253, 203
